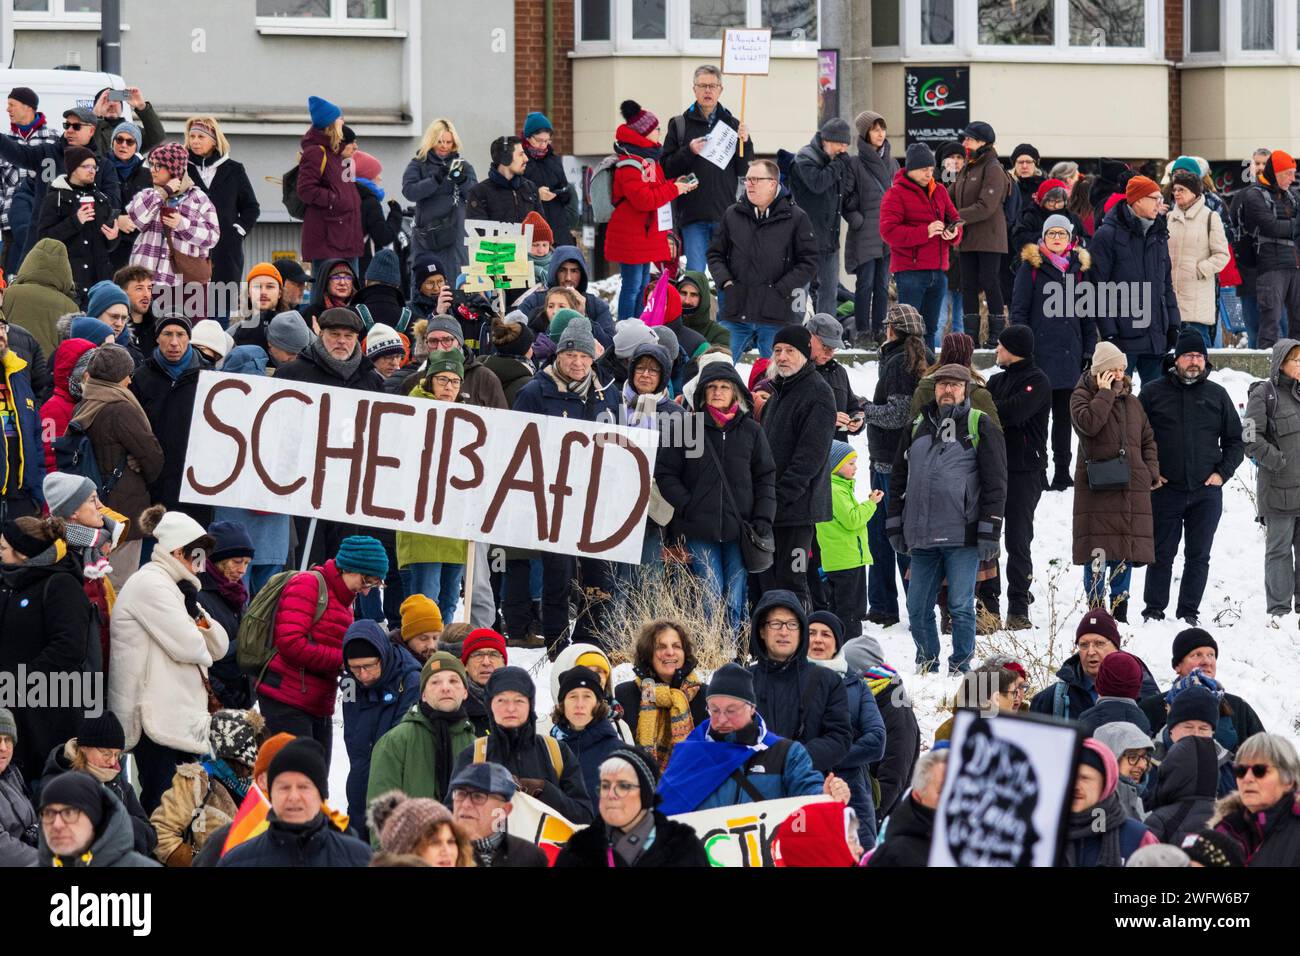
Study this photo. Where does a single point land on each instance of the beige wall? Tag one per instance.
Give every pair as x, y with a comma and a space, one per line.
1063, 109
1259, 116
780, 109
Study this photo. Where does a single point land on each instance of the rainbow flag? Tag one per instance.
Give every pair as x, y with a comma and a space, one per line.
249, 821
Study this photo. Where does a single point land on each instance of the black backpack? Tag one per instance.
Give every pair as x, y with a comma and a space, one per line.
293, 203
74, 454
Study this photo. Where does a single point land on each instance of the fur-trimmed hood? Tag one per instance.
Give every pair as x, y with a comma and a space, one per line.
1232, 804
1034, 256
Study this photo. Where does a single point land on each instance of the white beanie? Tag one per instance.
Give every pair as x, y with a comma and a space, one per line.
211, 335
177, 529
630, 333
383, 340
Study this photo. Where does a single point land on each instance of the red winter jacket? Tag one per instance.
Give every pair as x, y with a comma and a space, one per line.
633, 235
59, 407
905, 215
331, 227
305, 671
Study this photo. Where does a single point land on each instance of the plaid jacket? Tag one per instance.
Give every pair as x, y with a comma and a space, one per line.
196, 236
11, 176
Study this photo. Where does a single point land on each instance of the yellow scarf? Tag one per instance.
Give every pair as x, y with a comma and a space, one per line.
665, 716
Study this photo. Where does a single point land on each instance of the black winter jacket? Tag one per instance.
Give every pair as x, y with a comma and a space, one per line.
798, 699
888, 413
88, 249
499, 200
1023, 396
1110, 710
907, 836
1185, 795
384, 303
229, 683
893, 771
38, 371
766, 259
717, 189
1078, 690
318, 843
1269, 219
549, 171
1122, 253
675, 844
381, 224
1197, 428
799, 421
837, 377
237, 211
817, 184
692, 483
168, 405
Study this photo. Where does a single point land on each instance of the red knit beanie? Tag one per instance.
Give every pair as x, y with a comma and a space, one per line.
1281, 161
1047, 186
1139, 187
480, 639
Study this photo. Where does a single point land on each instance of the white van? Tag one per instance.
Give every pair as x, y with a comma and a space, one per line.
60, 90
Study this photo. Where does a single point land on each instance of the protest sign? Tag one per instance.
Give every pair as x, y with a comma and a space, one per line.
458, 471
720, 145
747, 52
1007, 792
498, 256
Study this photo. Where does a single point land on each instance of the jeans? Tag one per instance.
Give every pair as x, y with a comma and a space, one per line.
438, 582
924, 290
1150, 368
930, 566
722, 566
1093, 585
882, 586
745, 334
952, 319
1250, 317
696, 237
157, 766
828, 281
871, 297
634, 275
1172, 511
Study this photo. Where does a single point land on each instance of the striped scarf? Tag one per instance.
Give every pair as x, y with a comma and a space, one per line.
665, 716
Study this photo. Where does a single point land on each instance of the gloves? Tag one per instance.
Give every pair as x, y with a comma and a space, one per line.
457, 171
191, 594
988, 549
1171, 337
394, 207
762, 527
896, 542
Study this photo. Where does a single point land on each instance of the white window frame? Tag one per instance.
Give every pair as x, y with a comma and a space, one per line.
1286, 50
895, 52
337, 22
966, 45
54, 18
678, 41
1214, 58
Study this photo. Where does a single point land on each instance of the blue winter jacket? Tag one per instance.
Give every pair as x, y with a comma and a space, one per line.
602, 323
542, 396
315, 844
1121, 253
592, 744
32, 452
371, 712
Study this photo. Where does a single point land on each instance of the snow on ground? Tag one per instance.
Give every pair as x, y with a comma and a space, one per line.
1257, 662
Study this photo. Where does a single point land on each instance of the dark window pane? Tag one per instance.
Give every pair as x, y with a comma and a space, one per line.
1022, 23
293, 8
1203, 26
1108, 23
790, 19
884, 22
595, 19
1257, 24
936, 22
367, 9
710, 17
31, 6
649, 20
82, 6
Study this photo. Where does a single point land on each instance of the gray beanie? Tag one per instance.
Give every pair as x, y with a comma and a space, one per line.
289, 331
110, 363
445, 323
836, 130
577, 337
667, 340
8, 726
65, 492
630, 333
1057, 221
76, 380
1158, 854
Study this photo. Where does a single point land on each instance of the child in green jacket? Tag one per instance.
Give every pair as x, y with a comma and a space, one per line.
842, 543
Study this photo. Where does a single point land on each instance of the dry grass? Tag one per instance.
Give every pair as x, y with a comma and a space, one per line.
1041, 663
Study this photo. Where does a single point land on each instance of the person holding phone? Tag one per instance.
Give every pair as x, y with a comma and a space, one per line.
1112, 520
81, 217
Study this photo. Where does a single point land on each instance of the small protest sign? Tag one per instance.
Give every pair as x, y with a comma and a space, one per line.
498, 256
747, 52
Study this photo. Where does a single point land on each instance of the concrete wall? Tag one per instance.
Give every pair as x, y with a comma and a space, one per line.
1063, 109
780, 109
1230, 111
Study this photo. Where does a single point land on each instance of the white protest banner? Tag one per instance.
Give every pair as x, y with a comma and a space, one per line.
534, 821
458, 471
747, 52
720, 145
1007, 792
741, 835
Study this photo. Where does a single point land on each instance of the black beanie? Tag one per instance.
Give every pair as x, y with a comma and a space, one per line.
76, 789
1190, 639
919, 156
647, 772
1189, 340
578, 677
1090, 758
25, 95
1024, 149
732, 680
1018, 340
511, 678
305, 756
833, 622
74, 156
103, 731
796, 336
503, 149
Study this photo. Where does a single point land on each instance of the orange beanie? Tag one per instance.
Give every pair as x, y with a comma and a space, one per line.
1139, 187
1281, 161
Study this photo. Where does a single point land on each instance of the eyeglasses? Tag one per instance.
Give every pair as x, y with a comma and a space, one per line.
341, 277
1139, 757
474, 797
365, 668
620, 788
89, 166
653, 370
123, 140
1056, 234
371, 582
74, 126
708, 86
782, 625
69, 815
1260, 770
752, 180
447, 381
732, 713
486, 656
439, 340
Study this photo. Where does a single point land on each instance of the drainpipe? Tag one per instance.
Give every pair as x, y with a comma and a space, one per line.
550, 58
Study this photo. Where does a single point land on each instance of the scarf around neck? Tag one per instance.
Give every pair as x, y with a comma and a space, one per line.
641, 408
178, 368
443, 757
1061, 262
533, 152
581, 389
1083, 826
220, 771
373, 187
234, 593
664, 719
97, 395
725, 416
341, 368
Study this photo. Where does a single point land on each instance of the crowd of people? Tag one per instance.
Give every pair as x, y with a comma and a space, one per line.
231, 640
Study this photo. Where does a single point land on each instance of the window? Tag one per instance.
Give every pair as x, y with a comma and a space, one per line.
649, 20
1026, 23
48, 9
884, 23
1101, 23
1203, 26
936, 22
326, 12
710, 17
789, 19
595, 20
1257, 24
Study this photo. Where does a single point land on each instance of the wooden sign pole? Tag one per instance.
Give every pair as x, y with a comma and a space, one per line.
744, 84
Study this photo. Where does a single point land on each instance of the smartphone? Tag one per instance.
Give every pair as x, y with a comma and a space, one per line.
955, 224
117, 96
691, 179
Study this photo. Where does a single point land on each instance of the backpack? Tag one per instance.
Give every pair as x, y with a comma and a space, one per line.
552, 747
289, 189
75, 454
600, 189
369, 319
255, 644
972, 426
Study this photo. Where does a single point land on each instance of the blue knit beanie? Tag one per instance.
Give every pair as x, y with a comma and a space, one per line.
362, 554
841, 451
89, 328
231, 540
323, 112
126, 126
103, 296
385, 268
535, 123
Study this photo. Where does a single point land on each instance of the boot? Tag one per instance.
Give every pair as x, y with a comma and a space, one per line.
997, 322
1061, 481
1120, 611
1019, 622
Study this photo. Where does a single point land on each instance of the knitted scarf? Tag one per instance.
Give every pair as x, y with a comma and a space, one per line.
645, 152
104, 775
126, 167
533, 152
722, 417
234, 593
341, 368
1061, 262
1084, 824
581, 389
175, 369
218, 770
443, 755
664, 719
879, 677
641, 408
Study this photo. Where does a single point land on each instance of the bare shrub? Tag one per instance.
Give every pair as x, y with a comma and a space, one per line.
672, 591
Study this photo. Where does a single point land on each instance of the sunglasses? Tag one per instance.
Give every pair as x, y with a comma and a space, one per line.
123, 140
73, 126
1260, 770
